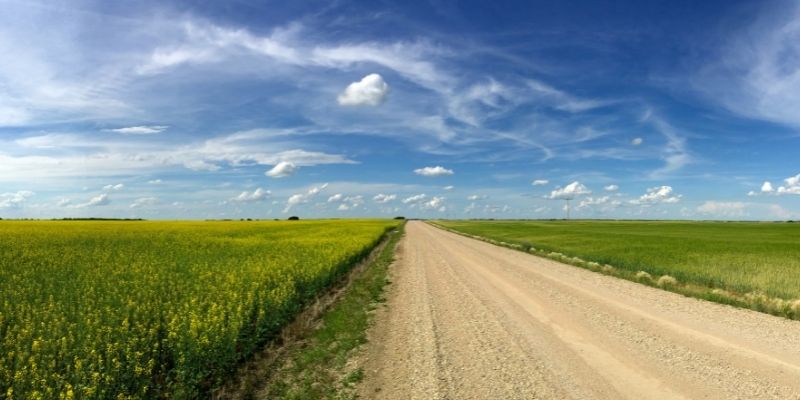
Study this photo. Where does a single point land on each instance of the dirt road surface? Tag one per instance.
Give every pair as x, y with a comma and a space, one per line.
469, 320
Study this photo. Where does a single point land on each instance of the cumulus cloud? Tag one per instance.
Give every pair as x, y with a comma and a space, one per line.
99, 200
144, 201
436, 203
603, 203
301, 198
637, 141
540, 182
569, 192
449, 188
140, 130
433, 171
791, 186
14, 199
252, 197
282, 169
118, 186
384, 198
657, 195
723, 208
414, 199
335, 198
369, 91
611, 188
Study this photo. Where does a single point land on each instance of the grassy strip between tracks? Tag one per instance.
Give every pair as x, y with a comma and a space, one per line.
749, 265
313, 361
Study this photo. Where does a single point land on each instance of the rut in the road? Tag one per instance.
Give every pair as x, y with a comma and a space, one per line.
469, 320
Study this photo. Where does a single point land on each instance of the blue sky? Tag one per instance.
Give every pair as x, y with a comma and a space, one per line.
204, 109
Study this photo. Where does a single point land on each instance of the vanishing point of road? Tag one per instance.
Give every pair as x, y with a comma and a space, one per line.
466, 319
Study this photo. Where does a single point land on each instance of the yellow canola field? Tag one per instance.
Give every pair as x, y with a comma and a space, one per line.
155, 309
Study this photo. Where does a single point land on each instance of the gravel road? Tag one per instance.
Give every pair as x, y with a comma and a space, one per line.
469, 320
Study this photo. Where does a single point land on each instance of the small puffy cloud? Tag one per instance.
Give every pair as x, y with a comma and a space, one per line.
767, 187
657, 195
569, 192
140, 130
637, 141
371, 90
723, 208
282, 169
475, 197
792, 186
144, 201
301, 198
14, 199
118, 186
449, 188
384, 198
611, 188
433, 171
604, 202
414, 199
252, 197
436, 203
343, 207
335, 198
99, 200
540, 182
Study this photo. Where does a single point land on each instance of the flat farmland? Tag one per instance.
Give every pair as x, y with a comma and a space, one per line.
156, 309
754, 263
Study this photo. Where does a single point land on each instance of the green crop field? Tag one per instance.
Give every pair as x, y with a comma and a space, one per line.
752, 262
102, 310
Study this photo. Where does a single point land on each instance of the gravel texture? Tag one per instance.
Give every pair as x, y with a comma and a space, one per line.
469, 320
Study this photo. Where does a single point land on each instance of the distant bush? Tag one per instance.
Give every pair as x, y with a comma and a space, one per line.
400, 217
294, 218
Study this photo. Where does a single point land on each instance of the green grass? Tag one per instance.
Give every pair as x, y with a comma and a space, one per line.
318, 370
738, 257
127, 310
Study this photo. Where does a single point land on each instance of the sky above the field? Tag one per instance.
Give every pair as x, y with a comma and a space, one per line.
437, 109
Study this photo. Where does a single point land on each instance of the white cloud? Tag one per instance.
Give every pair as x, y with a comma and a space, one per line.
433, 171
140, 130
475, 197
570, 191
414, 199
436, 203
371, 90
302, 198
15, 199
604, 203
767, 187
254, 196
63, 202
384, 198
723, 209
201, 165
343, 207
637, 141
335, 198
118, 186
99, 200
540, 182
792, 186
144, 201
449, 188
155, 182
657, 195
611, 188
282, 169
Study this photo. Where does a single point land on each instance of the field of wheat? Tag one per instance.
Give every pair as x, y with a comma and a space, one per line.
750, 264
100, 310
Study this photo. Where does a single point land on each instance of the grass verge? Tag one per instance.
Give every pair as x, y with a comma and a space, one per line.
660, 276
311, 362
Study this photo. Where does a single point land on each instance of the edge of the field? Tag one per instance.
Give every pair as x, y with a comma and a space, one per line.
310, 360
756, 301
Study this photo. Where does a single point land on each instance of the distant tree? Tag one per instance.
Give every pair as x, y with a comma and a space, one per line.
294, 218
400, 217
